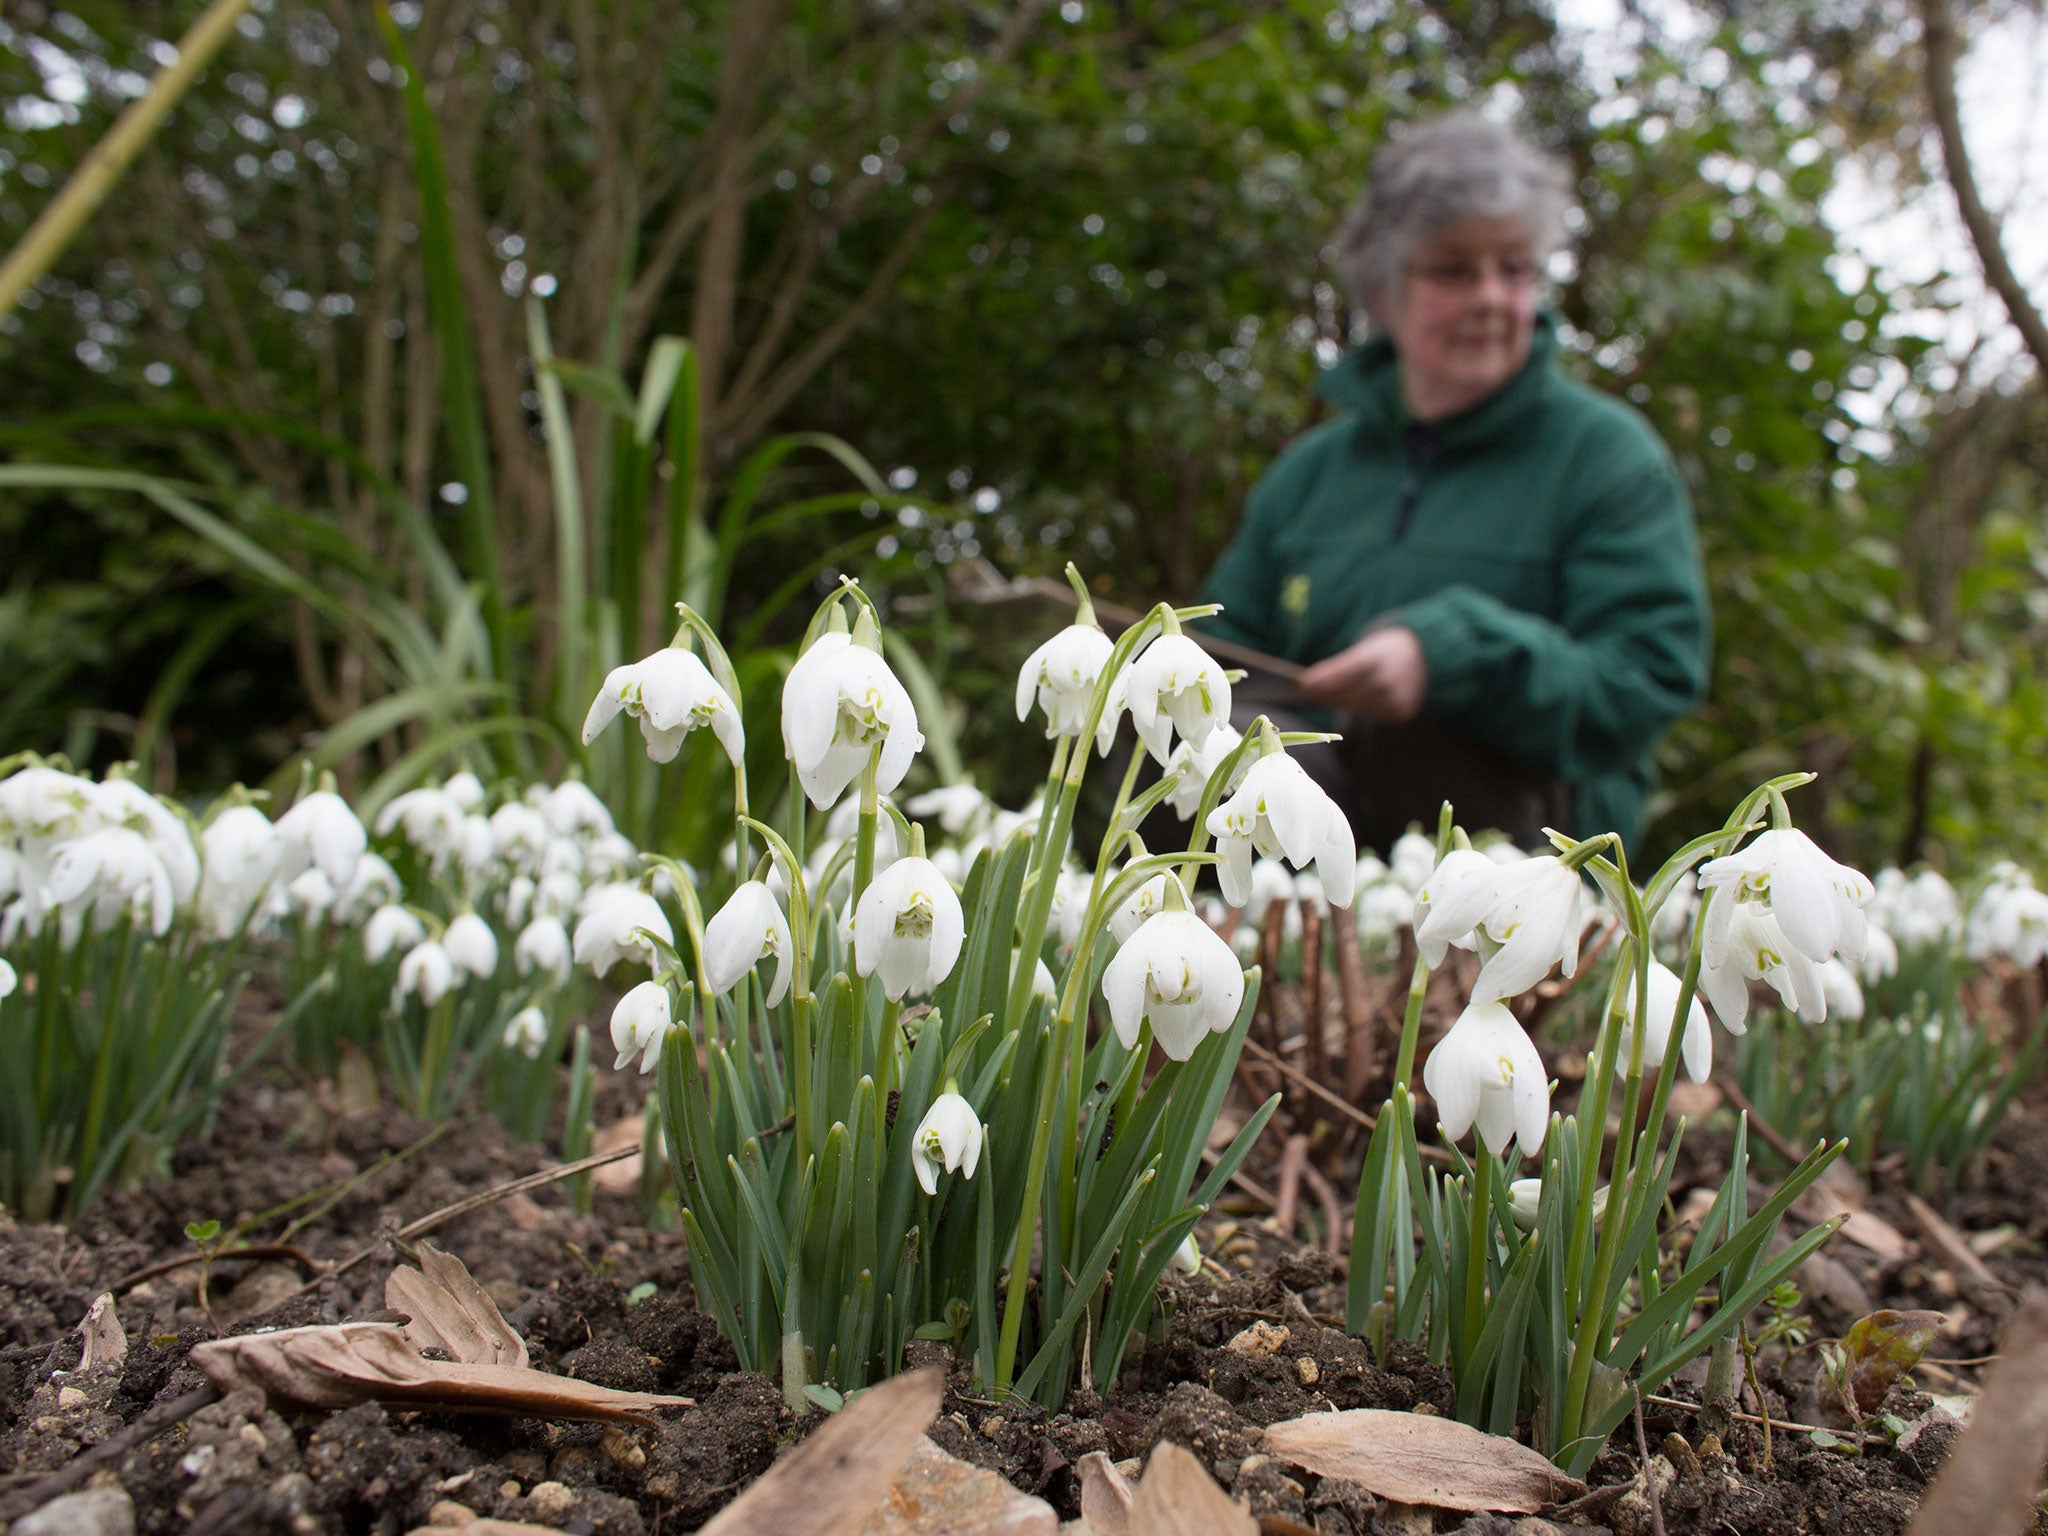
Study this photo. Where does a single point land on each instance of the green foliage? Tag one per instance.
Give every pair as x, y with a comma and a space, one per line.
1931, 1080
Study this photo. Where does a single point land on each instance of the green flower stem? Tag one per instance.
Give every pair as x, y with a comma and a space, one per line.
798, 806
1049, 852
886, 1050
1478, 1246
435, 1049
864, 867
1072, 998
111, 1022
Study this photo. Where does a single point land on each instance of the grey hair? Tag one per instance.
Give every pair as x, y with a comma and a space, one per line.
1443, 172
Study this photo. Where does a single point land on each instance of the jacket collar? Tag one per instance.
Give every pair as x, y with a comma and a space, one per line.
1367, 380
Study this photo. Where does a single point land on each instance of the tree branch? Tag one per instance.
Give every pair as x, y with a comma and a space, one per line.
1938, 27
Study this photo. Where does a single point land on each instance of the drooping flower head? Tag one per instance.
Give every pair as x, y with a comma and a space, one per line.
1281, 813
749, 928
1531, 909
1696, 1044
839, 703
1175, 973
1817, 903
615, 922
1172, 686
671, 694
908, 925
1487, 1071
640, 1023
1061, 677
947, 1138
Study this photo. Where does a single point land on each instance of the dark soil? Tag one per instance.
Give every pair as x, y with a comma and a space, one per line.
566, 1280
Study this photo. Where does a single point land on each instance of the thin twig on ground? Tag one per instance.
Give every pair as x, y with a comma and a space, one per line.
80, 1467
1649, 1477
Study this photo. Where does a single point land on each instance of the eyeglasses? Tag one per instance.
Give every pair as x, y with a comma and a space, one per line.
1466, 273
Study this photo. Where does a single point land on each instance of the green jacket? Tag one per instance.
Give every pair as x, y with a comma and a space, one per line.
1543, 552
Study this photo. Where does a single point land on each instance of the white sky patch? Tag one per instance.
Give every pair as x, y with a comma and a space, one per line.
2003, 86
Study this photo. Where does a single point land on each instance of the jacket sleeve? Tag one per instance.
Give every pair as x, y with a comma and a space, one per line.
1627, 656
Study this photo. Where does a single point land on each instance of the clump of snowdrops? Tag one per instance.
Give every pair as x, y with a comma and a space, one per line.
1549, 1294
122, 952
880, 1094
1886, 1055
436, 941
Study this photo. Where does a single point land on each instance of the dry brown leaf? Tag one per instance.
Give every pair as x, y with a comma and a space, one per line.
1827, 1198
1176, 1497
1106, 1495
829, 1485
339, 1365
450, 1312
938, 1494
106, 1342
1949, 1248
1987, 1486
1415, 1458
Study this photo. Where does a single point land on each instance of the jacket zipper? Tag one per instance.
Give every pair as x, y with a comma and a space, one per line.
1418, 447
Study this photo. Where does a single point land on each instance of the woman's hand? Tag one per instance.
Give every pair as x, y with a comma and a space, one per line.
1383, 676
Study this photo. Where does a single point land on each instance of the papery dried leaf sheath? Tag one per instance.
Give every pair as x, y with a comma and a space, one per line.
340, 1365
449, 1311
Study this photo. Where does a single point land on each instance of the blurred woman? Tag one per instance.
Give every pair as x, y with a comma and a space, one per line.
1488, 568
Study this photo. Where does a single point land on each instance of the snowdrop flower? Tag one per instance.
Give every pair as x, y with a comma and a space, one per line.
558, 895
1695, 1046
1281, 812
429, 819
1382, 911
241, 851
1458, 866
1187, 1258
1751, 947
521, 834
122, 802
1177, 974
611, 928
321, 832
1070, 891
1043, 987
1412, 860
515, 902
749, 928
1818, 903
1174, 685
466, 790
956, 806
1061, 677
2009, 919
108, 873
374, 884
543, 945
476, 849
310, 896
527, 1032
573, 809
1270, 882
391, 928
427, 970
948, 1138
1196, 766
1147, 901
1844, 994
1486, 1071
1530, 909
839, 702
1880, 956
8, 980
908, 925
1525, 1200
639, 1023
471, 945
671, 693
